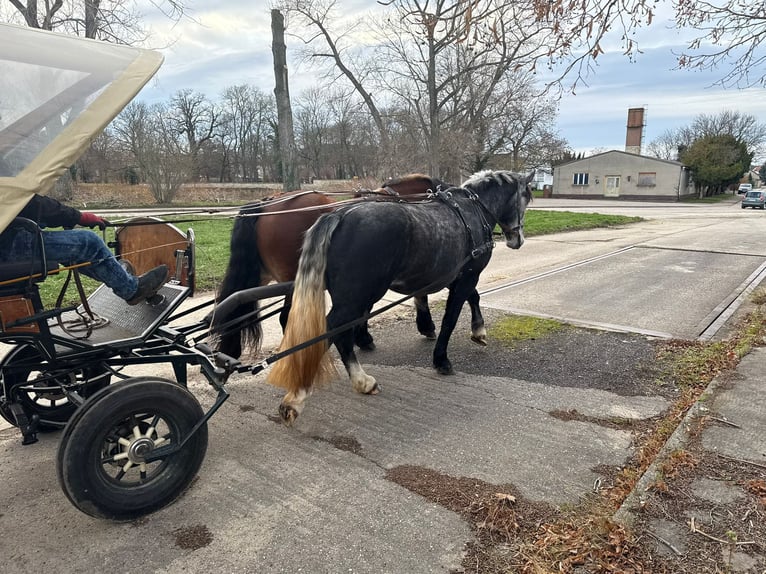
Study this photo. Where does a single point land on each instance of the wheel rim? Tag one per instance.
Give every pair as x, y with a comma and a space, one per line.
125, 447
49, 403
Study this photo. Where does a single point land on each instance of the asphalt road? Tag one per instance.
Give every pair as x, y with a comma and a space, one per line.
323, 496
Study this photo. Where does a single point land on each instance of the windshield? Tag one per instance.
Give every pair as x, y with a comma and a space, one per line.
753, 194
57, 93
50, 89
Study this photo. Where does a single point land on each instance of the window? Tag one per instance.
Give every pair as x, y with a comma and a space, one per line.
580, 179
647, 179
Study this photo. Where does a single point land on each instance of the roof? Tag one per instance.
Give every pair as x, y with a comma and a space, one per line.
58, 93
632, 155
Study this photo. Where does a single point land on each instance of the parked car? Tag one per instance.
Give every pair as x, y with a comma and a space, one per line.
754, 199
745, 187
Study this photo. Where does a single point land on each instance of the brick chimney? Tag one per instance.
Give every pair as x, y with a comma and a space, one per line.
634, 136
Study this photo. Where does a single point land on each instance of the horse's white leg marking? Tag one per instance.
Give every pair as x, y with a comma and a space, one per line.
292, 405
479, 335
361, 381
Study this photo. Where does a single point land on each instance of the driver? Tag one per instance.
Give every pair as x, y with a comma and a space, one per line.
76, 246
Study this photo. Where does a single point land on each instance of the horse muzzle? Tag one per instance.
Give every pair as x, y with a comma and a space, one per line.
514, 238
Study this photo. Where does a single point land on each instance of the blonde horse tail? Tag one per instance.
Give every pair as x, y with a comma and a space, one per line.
300, 370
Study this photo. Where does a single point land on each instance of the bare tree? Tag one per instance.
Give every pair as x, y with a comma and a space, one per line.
247, 117
313, 127
436, 59
744, 128
318, 15
117, 21
145, 132
286, 137
731, 36
195, 118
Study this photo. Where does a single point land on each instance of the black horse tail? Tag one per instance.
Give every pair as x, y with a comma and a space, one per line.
298, 371
242, 272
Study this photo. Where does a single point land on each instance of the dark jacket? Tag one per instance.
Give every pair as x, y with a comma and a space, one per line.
46, 212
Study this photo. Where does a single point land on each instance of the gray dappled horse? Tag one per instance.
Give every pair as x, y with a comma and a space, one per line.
359, 252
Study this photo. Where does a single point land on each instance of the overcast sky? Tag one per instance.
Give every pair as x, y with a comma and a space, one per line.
229, 42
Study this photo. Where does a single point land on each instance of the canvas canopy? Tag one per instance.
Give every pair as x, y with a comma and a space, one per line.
57, 93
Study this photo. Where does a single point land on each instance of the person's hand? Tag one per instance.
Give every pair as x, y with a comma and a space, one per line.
92, 220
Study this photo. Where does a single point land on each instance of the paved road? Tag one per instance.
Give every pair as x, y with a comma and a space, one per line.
323, 497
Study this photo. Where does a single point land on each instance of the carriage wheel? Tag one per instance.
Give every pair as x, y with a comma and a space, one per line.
101, 459
52, 406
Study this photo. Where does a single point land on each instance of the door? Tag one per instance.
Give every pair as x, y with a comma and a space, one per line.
612, 186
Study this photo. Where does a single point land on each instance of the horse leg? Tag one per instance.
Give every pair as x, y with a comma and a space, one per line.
344, 342
423, 318
458, 293
285, 312
478, 331
292, 405
362, 337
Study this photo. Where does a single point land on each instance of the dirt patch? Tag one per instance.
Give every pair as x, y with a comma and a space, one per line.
345, 443
193, 537
612, 423
497, 513
709, 516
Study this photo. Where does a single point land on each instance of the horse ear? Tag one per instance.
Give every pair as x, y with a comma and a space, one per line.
530, 177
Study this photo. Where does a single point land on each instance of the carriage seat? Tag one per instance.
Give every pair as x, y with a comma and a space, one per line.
21, 270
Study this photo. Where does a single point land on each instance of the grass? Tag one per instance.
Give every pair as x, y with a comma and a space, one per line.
213, 233
540, 222
514, 328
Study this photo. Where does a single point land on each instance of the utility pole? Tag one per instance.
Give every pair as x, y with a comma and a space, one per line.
286, 137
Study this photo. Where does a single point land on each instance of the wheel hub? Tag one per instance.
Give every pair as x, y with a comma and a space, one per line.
139, 449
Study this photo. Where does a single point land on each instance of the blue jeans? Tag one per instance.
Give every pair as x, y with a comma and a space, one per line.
75, 246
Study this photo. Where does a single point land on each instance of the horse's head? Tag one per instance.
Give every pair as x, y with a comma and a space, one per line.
510, 206
513, 227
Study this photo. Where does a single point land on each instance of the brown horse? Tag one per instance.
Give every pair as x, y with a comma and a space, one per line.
265, 247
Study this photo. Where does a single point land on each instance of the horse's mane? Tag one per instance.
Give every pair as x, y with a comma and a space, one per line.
481, 179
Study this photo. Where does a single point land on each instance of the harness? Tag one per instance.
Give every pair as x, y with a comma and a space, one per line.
446, 197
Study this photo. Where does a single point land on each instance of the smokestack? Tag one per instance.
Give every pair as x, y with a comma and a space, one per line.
634, 136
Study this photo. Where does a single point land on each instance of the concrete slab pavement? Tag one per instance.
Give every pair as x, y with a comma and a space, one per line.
720, 519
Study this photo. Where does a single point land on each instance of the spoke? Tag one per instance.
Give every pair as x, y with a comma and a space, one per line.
123, 441
119, 475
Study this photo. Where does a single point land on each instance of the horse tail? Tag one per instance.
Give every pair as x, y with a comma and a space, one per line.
242, 272
299, 370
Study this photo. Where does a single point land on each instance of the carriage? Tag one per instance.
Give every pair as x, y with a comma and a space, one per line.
132, 444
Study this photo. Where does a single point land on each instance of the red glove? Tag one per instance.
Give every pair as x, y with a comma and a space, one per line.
92, 220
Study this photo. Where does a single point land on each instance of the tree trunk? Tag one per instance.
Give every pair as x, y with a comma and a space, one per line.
91, 18
282, 94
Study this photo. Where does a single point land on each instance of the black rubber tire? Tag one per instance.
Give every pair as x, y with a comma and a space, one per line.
54, 409
87, 471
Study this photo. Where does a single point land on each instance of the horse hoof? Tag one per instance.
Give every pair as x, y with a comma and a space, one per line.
367, 347
375, 390
480, 340
288, 414
445, 370
430, 335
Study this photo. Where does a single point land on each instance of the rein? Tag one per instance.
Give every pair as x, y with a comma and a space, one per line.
368, 195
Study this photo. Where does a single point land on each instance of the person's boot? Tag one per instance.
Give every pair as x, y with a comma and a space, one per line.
149, 283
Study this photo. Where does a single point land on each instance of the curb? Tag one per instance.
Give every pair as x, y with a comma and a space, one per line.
636, 499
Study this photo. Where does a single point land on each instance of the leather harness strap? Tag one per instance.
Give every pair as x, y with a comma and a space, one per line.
488, 244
